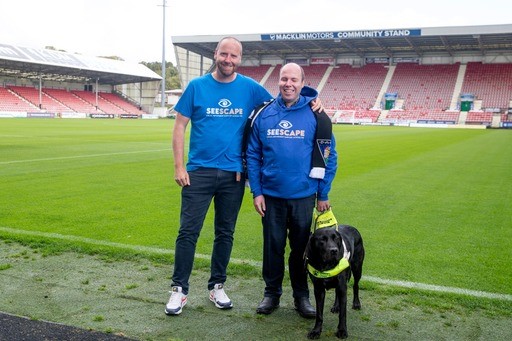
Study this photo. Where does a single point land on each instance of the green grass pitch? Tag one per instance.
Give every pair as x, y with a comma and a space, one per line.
433, 205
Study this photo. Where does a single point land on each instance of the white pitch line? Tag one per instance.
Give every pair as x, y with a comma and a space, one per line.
82, 156
439, 288
147, 249
154, 250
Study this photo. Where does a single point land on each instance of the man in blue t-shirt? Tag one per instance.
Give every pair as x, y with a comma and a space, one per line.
217, 105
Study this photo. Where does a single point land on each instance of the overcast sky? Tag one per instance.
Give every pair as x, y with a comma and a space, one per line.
132, 29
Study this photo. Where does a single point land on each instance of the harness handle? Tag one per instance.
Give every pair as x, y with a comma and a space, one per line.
324, 219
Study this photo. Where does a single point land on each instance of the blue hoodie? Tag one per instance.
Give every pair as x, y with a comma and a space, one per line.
280, 150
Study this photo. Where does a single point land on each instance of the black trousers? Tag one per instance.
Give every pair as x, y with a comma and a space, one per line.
286, 218
207, 184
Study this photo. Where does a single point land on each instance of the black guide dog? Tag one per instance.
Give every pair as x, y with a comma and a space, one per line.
329, 251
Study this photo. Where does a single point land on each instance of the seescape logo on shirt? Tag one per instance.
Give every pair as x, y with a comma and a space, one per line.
224, 109
285, 131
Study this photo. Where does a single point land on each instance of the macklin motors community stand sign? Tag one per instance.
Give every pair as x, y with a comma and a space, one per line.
339, 35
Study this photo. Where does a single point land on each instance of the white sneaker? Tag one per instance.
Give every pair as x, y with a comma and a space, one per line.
219, 297
176, 302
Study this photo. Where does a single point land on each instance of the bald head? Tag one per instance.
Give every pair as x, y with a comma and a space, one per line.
295, 68
227, 56
230, 40
291, 82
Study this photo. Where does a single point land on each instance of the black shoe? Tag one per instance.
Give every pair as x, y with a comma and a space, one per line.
305, 308
267, 305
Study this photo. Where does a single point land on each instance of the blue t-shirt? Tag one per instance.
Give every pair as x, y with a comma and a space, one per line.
218, 112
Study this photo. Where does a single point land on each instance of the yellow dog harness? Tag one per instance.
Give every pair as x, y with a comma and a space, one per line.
342, 265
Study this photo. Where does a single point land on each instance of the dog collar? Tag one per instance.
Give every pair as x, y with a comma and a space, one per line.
342, 265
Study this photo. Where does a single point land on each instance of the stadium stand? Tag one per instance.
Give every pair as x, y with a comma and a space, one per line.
437, 75
40, 83
26, 99
490, 83
10, 101
255, 72
271, 83
479, 117
429, 116
427, 72
506, 117
354, 116
120, 102
44, 101
424, 87
350, 93
23, 99
102, 104
353, 88
71, 100
314, 74
425, 92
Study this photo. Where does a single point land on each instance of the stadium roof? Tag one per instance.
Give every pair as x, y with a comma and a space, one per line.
413, 42
24, 62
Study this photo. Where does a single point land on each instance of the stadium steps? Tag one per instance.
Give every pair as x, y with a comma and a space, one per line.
458, 87
496, 120
324, 79
267, 75
385, 86
462, 117
383, 115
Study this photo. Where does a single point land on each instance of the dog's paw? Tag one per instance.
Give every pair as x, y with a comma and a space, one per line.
356, 304
341, 334
314, 334
335, 309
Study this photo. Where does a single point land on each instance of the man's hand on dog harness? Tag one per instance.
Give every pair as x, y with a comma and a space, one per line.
322, 205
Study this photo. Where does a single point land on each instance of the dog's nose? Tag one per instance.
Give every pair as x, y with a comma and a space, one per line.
334, 251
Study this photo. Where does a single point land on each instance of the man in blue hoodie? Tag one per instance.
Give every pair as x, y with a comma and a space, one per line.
284, 187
